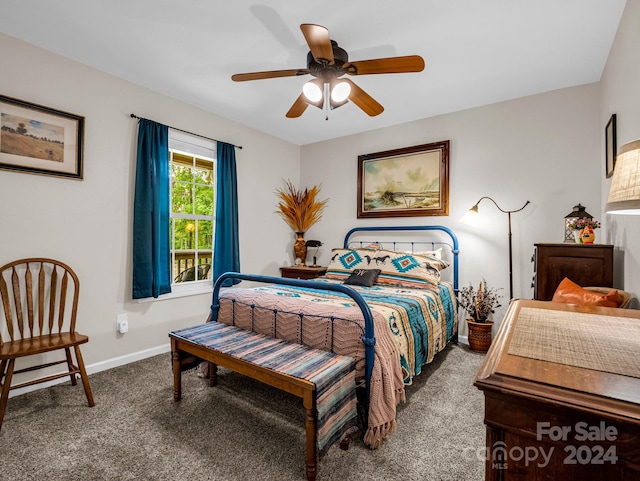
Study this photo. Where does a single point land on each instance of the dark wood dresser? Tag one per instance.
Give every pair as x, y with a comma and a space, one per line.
554, 416
584, 264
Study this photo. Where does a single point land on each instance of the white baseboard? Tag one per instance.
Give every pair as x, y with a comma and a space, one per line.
99, 366
129, 358
121, 361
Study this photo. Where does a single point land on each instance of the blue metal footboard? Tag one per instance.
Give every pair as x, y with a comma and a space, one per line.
368, 339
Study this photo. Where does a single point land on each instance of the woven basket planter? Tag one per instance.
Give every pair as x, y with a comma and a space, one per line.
479, 335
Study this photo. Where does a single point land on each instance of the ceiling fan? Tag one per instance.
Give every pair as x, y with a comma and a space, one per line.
328, 62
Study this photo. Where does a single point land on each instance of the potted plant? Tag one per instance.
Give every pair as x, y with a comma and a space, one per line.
300, 209
479, 303
583, 229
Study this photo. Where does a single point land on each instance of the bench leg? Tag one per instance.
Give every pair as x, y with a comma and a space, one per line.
213, 374
310, 409
177, 373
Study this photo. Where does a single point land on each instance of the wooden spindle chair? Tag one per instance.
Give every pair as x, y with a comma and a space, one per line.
39, 305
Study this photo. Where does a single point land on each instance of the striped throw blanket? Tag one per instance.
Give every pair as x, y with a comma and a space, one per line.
411, 327
332, 374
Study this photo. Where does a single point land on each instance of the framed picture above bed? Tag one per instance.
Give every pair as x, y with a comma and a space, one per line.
39, 140
406, 182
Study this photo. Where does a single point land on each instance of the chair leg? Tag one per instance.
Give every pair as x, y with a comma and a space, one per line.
70, 366
5, 377
85, 378
3, 365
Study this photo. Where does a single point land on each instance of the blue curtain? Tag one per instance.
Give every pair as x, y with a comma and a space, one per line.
226, 255
151, 250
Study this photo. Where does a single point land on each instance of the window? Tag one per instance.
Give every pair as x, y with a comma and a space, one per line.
192, 226
196, 168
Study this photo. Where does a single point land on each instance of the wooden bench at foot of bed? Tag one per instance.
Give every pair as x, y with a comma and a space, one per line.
325, 381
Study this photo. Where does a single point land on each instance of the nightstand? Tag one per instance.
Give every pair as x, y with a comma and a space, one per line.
302, 272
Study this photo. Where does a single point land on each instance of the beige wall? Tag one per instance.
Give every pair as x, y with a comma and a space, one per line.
543, 148
87, 224
621, 95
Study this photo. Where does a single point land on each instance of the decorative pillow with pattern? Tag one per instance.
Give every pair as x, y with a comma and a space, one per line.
344, 261
363, 277
408, 270
397, 269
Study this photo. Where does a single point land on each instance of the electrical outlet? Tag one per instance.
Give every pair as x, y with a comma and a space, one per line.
122, 323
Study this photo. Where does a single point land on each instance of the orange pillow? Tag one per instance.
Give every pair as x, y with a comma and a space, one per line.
569, 292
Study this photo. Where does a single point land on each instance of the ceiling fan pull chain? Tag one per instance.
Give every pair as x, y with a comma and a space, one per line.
326, 100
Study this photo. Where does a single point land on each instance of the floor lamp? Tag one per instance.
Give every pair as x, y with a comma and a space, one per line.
471, 218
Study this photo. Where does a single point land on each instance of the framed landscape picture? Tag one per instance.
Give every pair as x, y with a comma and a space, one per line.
39, 140
411, 181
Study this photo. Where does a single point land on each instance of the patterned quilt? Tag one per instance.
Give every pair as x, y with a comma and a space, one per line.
411, 327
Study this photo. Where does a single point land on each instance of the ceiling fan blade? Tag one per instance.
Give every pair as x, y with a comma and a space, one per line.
242, 77
409, 63
298, 107
363, 100
319, 42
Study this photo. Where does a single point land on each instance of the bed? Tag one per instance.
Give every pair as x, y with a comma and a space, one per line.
386, 300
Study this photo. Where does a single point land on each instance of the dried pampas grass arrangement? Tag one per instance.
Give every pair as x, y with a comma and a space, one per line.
300, 209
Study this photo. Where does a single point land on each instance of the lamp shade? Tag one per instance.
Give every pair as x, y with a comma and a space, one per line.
624, 195
471, 217
340, 92
312, 90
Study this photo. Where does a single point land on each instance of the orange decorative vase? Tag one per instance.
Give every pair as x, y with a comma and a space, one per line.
300, 248
587, 235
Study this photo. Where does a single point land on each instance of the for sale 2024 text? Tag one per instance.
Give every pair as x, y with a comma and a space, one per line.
582, 447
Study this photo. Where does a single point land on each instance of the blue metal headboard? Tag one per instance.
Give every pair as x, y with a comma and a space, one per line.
454, 241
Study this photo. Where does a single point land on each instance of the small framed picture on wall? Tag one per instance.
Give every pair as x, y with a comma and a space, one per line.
36, 139
610, 146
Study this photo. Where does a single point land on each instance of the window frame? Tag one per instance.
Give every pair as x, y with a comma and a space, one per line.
197, 148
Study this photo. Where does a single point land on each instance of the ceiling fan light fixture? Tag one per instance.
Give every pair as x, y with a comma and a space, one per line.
312, 92
328, 62
340, 92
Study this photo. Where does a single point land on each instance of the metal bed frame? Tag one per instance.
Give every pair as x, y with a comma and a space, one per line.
368, 338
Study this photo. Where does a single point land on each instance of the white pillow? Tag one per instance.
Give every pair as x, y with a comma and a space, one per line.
436, 253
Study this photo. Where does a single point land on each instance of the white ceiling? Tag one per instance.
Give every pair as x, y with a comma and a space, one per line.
476, 52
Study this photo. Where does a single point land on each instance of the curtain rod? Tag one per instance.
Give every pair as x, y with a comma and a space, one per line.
134, 116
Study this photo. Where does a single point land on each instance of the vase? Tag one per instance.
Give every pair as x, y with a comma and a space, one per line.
587, 235
300, 248
577, 235
479, 335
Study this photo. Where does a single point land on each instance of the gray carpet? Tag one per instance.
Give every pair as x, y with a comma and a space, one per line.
238, 431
